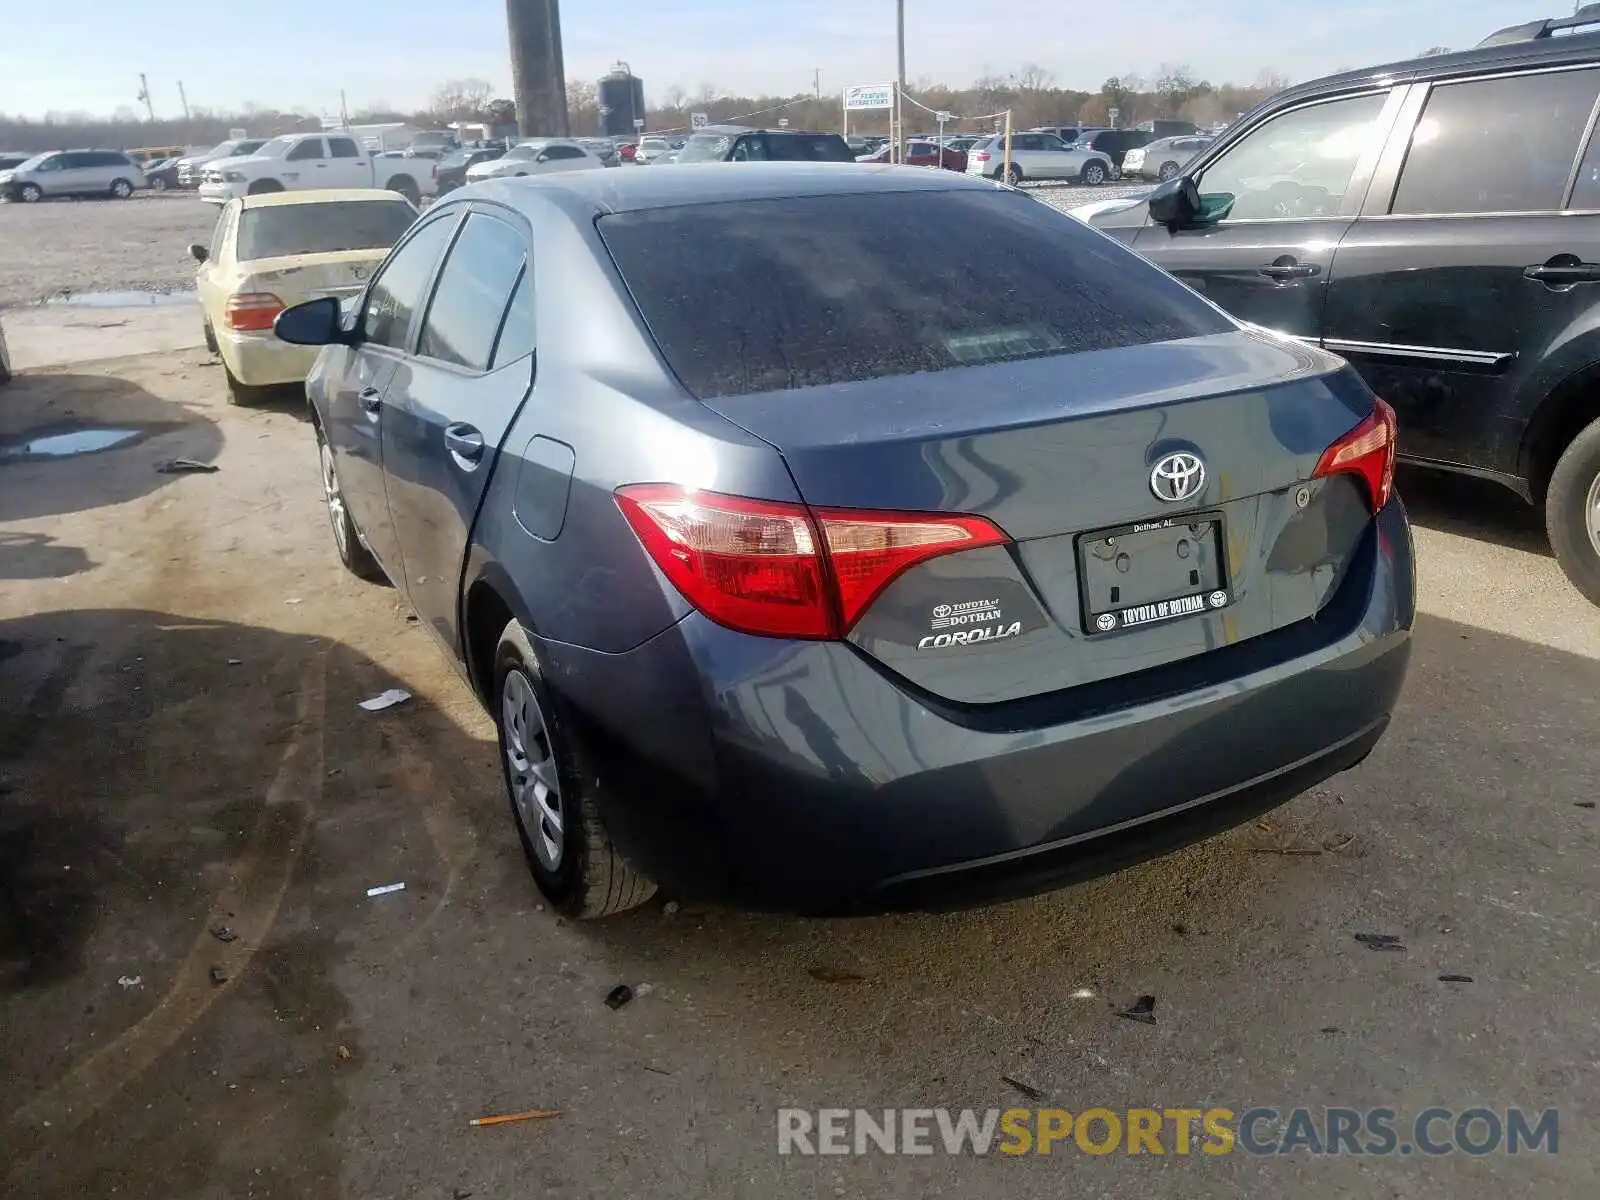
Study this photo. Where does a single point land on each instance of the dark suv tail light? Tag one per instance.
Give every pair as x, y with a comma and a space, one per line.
786, 570
1368, 451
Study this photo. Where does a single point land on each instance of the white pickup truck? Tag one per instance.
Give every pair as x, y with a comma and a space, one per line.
297, 161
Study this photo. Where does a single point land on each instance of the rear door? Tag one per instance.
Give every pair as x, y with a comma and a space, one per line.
1287, 189
347, 165
450, 404
1467, 280
353, 411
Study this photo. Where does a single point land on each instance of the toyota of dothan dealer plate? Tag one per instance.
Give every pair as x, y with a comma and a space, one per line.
799, 572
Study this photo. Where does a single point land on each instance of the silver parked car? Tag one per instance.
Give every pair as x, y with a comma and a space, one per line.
5, 358
192, 166
1163, 158
1037, 156
73, 173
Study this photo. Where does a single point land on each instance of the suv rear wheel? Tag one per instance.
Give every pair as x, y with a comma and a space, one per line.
121, 189
1014, 175
1094, 173
1572, 512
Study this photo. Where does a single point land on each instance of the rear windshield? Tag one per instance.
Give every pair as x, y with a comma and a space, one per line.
803, 147
770, 295
322, 228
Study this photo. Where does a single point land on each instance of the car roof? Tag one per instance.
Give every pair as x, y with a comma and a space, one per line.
317, 196
1544, 51
680, 184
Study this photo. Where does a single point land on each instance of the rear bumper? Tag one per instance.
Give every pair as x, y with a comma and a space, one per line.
797, 776
261, 360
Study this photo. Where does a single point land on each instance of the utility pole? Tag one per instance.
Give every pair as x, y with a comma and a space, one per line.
898, 154
538, 76
144, 95
816, 83
183, 100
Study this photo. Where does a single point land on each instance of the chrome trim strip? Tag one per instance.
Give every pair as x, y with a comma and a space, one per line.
1446, 354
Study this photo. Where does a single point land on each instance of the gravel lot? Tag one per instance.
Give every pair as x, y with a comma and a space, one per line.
141, 245
68, 246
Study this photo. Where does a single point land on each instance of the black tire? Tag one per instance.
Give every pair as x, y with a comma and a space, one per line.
347, 543
586, 877
407, 187
158, 184
244, 395
263, 187
1169, 170
29, 193
211, 338
1013, 175
121, 189
1094, 173
1572, 512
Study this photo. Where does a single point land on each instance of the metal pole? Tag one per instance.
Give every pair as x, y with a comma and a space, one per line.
899, 154
1006, 170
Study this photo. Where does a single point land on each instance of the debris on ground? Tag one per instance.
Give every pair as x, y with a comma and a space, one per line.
1585, 804
657, 1070
1381, 941
344, 1054
386, 699
618, 996
1267, 837
1027, 1089
236, 662
187, 466
224, 934
670, 907
644, 989
1143, 1010
1331, 1029
835, 975
130, 981
294, 600
536, 1114
218, 976
385, 888
1455, 979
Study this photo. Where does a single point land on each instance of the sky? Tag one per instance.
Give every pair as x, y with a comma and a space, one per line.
300, 53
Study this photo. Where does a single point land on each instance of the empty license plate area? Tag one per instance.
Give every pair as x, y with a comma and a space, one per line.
1154, 571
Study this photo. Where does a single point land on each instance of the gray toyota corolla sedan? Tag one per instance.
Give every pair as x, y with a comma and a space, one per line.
803, 569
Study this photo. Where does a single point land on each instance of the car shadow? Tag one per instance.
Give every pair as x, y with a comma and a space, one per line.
50, 424
1472, 508
39, 556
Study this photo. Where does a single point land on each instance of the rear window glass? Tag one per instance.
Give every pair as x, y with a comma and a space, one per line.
761, 296
322, 228
801, 147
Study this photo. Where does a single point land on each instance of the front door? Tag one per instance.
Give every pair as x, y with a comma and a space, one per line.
353, 408
1275, 203
306, 164
450, 405
1462, 288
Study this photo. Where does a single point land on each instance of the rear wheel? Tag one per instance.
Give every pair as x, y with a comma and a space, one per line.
1013, 175
158, 184
353, 553
1169, 170
1572, 512
244, 395
552, 783
211, 338
121, 189
1094, 173
407, 187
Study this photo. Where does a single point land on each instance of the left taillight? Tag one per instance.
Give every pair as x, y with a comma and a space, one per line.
1368, 450
785, 570
252, 312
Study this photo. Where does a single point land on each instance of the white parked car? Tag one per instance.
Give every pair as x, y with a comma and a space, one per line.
1038, 156
538, 156
650, 149
298, 161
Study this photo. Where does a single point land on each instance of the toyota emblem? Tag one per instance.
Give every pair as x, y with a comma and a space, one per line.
1177, 477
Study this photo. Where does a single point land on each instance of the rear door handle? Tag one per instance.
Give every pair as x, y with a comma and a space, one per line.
1563, 269
464, 442
1288, 268
371, 399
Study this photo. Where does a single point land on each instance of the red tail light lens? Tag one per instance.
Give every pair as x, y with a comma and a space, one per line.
252, 311
983, 156
1368, 451
783, 570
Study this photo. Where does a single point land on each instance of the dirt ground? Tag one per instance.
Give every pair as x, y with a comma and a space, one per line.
199, 999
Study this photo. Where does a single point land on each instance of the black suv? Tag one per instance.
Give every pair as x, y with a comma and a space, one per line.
1113, 143
736, 143
1438, 223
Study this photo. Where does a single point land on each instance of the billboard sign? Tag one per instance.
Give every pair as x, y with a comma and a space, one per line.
868, 97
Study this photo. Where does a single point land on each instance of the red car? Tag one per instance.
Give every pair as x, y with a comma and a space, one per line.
924, 154
627, 150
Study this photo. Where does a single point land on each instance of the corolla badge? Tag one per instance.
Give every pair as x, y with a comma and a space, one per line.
1177, 477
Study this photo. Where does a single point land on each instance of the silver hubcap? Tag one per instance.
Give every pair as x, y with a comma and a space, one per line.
531, 768
335, 499
1591, 513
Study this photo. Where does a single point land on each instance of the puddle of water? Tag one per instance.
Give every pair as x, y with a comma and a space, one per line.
64, 445
120, 299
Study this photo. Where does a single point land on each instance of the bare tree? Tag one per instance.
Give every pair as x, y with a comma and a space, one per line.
459, 99
1032, 78
674, 97
1269, 82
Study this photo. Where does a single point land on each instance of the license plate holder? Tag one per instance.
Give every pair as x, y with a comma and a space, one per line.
1152, 572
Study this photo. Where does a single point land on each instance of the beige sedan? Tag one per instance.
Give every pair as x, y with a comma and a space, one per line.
269, 253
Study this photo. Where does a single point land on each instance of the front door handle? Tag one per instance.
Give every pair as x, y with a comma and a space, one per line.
464, 442
1563, 270
1288, 267
371, 399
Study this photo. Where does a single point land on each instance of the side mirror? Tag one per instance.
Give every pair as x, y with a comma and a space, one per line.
314, 323
199, 253
544, 156
1175, 203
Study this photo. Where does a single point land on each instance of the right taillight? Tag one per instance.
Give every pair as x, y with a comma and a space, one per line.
784, 570
1368, 451
252, 312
